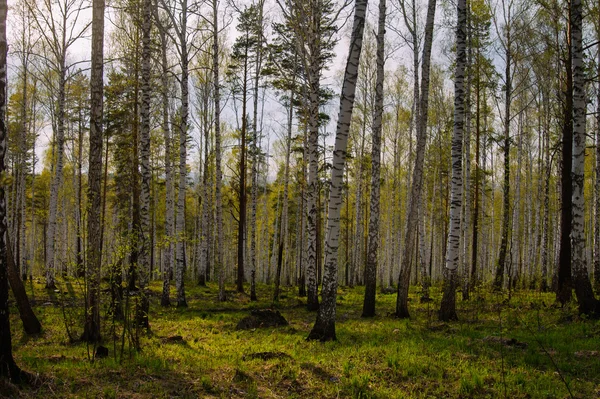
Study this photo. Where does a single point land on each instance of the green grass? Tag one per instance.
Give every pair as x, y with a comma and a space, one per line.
380, 357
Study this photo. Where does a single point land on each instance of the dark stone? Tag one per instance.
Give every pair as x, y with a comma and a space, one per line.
101, 352
261, 319
388, 290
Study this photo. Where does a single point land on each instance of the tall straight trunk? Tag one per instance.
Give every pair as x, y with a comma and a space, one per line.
91, 331
371, 266
206, 194
466, 194
474, 278
499, 277
285, 205
583, 288
169, 190
546, 205
448, 306
414, 202
143, 268
56, 179
515, 246
242, 183
357, 252
312, 190
564, 289
324, 328
180, 260
597, 190
8, 367
254, 193
218, 178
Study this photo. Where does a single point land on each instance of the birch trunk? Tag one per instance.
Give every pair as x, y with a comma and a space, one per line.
180, 258
8, 367
324, 328
94, 254
144, 234
170, 192
597, 191
414, 202
583, 288
373, 245
218, 178
448, 306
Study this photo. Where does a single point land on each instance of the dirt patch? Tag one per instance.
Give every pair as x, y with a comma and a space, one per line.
262, 319
266, 356
510, 342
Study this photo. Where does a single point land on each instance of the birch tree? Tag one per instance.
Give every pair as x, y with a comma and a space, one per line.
324, 328
448, 306
373, 244
144, 235
8, 367
588, 304
414, 203
60, 27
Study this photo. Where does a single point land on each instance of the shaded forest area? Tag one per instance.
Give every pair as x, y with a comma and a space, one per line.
170, 167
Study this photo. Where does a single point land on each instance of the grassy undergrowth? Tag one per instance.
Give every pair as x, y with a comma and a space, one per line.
520, 347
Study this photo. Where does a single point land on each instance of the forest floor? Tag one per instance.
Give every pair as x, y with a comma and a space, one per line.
517, 347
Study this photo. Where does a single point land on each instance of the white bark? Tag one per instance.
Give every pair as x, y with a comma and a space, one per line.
324, 328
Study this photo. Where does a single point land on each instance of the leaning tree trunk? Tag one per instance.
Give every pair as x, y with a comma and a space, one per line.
31, 324
417, 179
583, 288
144, 247
448, 306
371, 266
8, 367
324, 328
91, 331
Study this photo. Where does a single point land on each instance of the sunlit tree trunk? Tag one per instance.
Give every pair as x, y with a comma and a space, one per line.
324, 328
448, 306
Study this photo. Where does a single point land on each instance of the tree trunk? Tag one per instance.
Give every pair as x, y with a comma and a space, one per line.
180, 260
324, 328
583, 288
241, 244
31, 324
499, 277
597, 190
371, 266
91, 331
448, 306
219, 202
170, 192
417, 181
8, 367
143, 267
564, 289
